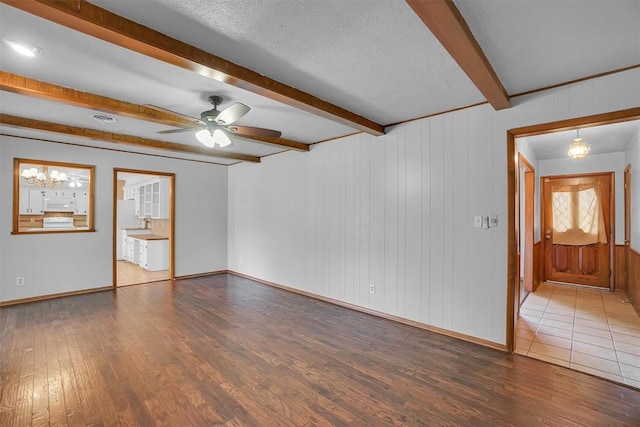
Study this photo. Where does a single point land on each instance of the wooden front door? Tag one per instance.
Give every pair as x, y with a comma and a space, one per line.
575, 206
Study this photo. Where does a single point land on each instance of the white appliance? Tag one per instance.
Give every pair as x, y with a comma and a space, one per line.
53, 222
59, 205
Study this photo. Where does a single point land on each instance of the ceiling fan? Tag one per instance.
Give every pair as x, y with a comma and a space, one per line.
216, 126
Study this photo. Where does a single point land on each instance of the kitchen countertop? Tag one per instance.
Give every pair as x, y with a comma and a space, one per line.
57, 229
148, 237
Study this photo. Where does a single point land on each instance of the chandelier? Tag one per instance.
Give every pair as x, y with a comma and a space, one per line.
578, 149
41, 177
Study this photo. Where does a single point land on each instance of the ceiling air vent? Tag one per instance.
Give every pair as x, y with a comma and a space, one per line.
104, 119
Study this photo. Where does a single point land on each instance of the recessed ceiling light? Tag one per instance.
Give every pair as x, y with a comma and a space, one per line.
23, 48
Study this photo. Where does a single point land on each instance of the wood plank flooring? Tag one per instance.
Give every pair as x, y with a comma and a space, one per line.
223, 350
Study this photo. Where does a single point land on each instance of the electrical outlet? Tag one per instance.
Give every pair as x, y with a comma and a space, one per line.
240, 260
20, 281
372, 288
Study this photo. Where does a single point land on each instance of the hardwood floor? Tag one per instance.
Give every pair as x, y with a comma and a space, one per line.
223, 350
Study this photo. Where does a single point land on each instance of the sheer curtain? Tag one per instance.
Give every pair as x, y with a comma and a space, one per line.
577, 214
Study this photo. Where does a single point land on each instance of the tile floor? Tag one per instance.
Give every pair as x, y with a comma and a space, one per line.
585, 329
131, 274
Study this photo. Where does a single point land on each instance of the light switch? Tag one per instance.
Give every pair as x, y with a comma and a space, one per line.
485, 222
493, 221
477, 221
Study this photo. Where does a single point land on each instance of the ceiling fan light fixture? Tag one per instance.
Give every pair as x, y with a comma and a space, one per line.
206, 138
213, 138
221, 138
578, 149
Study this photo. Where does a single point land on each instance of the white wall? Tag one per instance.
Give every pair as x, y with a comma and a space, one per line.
397, 210
632, 157
610, 162
72, 261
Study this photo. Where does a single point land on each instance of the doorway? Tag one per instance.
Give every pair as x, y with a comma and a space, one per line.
513, 275
585, 328
143, 229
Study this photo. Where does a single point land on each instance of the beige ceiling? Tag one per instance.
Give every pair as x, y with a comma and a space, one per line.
374, 59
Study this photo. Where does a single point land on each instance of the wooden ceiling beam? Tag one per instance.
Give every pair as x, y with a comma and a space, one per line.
445, 21
94, 21
22, 85
35, 88
98, 135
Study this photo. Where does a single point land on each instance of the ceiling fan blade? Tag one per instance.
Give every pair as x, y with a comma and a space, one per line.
231, 114
179, 130
182, 116
251, 131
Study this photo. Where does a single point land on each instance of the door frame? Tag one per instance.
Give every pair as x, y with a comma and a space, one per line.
627, 225
512, 169
611, 234
172, 219
528, 192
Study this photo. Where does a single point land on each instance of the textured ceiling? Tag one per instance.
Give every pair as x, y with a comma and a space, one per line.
374, 58
538, 43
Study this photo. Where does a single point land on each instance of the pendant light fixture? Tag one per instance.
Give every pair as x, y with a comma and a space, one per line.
578, 149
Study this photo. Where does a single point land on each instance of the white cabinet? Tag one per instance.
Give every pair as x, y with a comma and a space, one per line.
153, 199
31, 201
81, 202
146, 199
59, 194
131, 251
143, 254
136, 200
160, 205
128, 192
36, 201
154, 254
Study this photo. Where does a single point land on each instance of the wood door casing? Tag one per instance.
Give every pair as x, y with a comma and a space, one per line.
588, 265
627, 224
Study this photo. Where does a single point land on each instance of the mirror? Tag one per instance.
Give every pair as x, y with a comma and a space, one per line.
52, 197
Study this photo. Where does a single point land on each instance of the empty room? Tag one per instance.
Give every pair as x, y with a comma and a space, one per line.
322, 212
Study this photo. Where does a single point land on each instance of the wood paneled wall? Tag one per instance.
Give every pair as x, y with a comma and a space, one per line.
634, 279
396, 211
618, 268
